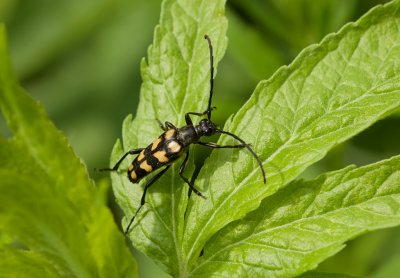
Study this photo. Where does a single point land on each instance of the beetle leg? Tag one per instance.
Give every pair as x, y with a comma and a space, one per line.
181, 169
161, 125
116, 166
189, 120
169, 125
216, 146
143, 199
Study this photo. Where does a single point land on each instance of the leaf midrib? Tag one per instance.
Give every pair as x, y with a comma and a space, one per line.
189, 74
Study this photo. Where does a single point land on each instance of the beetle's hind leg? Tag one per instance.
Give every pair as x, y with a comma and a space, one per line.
116, 166
143, 199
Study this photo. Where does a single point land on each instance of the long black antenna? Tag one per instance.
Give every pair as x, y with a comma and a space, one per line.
249, 148
211, 76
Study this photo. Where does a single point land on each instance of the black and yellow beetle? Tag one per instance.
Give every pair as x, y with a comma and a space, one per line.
175, 142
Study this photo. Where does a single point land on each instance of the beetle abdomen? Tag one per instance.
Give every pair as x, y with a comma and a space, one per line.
162, 151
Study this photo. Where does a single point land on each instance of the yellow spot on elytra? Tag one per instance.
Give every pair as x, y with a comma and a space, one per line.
130, 168
161, 156
174, 147
169, 133
155, 144
133, 175
141, 156
145, 166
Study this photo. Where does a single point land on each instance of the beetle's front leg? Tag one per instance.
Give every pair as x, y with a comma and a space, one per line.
216, 146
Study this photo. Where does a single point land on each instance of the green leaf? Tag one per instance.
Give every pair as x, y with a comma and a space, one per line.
331, 92
49, 207
306, 222
175, 81
23, 263
324, 275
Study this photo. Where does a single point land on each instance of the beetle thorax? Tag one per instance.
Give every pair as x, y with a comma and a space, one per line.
187, 135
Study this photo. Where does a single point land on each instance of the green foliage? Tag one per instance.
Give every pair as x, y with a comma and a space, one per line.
82, 64
53, 221
306, 222
331, 92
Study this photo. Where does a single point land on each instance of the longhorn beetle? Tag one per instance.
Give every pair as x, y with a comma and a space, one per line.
173, 143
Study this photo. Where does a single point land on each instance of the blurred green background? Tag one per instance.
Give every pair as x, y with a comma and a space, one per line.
80, 59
